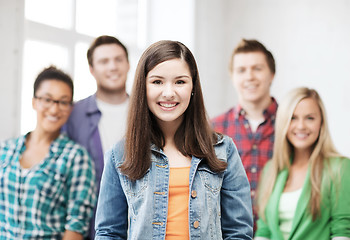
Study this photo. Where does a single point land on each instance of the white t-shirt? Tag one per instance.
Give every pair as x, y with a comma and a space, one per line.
254, 124
112, 124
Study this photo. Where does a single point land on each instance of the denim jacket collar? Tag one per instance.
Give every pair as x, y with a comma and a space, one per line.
220, 139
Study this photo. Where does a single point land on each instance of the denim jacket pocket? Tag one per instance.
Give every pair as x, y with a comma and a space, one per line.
135, 188
212, 180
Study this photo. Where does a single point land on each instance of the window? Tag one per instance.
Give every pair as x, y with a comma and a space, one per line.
59, 32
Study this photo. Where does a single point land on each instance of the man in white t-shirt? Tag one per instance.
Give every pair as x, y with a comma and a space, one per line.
99, 121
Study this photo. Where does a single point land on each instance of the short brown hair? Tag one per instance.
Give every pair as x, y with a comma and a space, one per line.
247, 46
102, 40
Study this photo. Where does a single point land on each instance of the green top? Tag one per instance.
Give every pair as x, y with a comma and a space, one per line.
335, 206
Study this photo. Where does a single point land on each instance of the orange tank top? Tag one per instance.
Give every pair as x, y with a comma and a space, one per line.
177, 223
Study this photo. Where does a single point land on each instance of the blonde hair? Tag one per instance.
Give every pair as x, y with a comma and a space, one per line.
283, 150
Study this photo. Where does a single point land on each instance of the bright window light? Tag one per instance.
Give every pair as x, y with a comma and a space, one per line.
96, 18
56, 13
84, 83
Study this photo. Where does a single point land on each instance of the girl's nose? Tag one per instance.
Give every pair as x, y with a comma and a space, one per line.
300, 124
168, 91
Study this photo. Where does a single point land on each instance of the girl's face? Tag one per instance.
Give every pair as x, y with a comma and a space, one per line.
305, 125
168, 88
52, 103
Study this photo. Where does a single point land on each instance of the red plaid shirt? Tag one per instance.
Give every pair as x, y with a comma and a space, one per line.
255, 148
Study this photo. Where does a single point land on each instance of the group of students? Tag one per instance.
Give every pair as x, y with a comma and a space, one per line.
168, 172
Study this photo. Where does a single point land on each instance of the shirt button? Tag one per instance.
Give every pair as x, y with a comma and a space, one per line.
193, 194
253, 169
255, 147
196, 224
252, 193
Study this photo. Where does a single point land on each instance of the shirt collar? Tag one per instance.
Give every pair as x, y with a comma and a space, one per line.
269, 112
54, 146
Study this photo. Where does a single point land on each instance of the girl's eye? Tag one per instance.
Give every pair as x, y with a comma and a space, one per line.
310, 118
293, 118
157, 82
180, 82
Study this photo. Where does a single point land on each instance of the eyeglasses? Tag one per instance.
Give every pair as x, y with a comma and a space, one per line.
48, 102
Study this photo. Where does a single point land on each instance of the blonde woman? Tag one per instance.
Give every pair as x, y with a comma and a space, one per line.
303, 193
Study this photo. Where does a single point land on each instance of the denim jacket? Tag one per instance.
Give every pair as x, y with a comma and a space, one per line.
221, 209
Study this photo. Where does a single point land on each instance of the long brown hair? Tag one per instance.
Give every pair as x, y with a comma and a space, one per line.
194, 137
323, 150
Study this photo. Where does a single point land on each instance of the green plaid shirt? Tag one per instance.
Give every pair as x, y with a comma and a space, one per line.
55, 195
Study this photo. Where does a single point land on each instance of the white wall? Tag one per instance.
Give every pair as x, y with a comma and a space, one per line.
11, 29
309, 39
310, 42
171, 20
212, 52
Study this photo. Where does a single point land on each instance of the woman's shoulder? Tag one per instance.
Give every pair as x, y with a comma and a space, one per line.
224, 147
9, 148
116, 153
339, 160
222, 139
339, 163
11, 144
64, 142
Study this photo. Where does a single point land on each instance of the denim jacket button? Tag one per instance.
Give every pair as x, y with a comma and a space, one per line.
196, 224
193, 194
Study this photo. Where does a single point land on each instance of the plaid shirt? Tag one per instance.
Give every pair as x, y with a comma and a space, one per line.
55, 195
255, 148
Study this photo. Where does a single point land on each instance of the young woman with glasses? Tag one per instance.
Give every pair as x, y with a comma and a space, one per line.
47, 182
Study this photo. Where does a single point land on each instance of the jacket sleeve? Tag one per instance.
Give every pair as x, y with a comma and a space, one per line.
340, 200
112, 209
236, 207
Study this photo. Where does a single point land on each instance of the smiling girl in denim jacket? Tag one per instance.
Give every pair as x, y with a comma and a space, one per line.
172, 177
